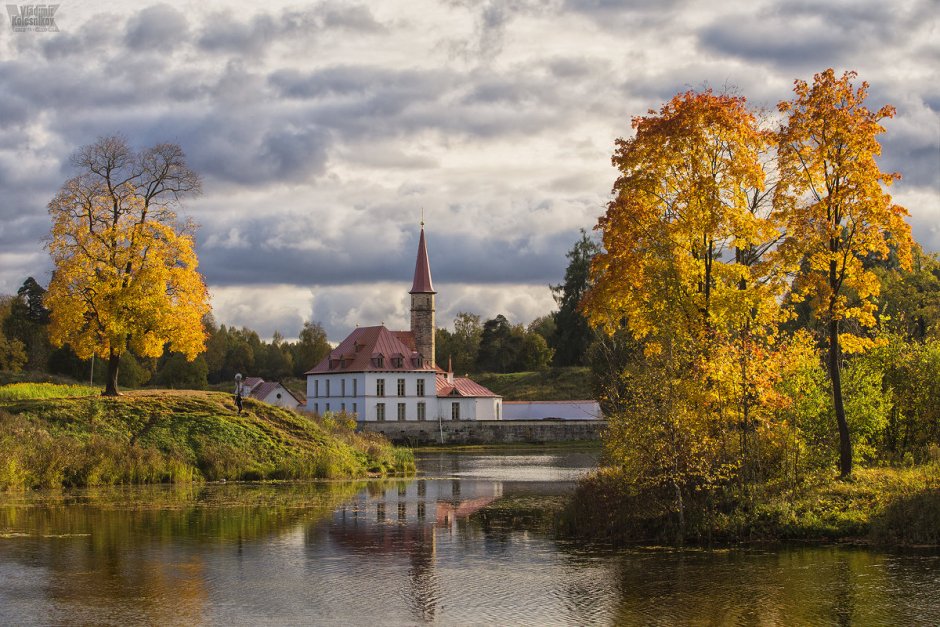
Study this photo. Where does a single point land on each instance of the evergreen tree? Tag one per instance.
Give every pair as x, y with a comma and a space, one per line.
573, 335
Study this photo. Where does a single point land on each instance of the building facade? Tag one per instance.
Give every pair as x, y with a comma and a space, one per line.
382, 376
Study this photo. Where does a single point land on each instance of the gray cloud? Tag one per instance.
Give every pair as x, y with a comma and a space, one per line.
157, 28
222, 32
789, 44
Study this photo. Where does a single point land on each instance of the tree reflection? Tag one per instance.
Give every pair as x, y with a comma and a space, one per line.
139, 554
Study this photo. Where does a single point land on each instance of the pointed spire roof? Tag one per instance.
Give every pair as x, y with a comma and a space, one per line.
422, 282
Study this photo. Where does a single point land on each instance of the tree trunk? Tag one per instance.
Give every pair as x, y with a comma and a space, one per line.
845, 442
111, 384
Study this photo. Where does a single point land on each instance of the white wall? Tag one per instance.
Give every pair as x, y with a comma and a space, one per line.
282, 398
365, 402
539, 410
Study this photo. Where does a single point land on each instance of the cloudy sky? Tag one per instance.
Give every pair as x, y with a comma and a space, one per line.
323, 129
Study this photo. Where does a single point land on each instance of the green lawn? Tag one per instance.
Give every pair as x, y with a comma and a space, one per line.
157, 436
554, 384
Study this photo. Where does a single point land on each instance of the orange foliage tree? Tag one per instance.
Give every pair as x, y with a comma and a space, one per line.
683, 269
836, 213
125, 272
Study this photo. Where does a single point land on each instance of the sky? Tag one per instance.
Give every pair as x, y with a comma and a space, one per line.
323, 130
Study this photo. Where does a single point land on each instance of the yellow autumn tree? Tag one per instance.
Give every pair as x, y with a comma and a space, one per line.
125, 275
684, 269
831, 198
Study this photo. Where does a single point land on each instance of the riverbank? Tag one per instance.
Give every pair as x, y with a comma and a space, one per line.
879, 506
161, 436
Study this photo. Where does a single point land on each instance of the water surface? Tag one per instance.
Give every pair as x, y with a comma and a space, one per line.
465, 542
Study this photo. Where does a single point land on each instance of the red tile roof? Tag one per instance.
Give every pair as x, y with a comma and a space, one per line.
460, 386
422, 282
374, 349
262, 390
250, 383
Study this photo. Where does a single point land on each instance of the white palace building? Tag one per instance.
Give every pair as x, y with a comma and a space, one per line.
381, 375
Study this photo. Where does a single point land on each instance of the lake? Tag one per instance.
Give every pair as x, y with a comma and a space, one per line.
467, 541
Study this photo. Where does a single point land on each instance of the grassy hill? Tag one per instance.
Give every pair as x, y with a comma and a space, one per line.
70, 436
555, 384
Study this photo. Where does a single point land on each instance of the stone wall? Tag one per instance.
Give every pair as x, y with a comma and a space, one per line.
487, 431
422, 325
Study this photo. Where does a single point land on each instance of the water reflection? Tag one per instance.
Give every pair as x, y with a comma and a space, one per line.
468, 541
791, 586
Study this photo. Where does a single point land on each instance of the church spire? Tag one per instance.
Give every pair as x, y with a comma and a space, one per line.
422, 281
422, 304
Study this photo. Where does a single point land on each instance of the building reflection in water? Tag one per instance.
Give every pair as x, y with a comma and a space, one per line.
363, 525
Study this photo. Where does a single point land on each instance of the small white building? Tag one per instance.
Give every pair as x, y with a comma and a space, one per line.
272, 393
381, 375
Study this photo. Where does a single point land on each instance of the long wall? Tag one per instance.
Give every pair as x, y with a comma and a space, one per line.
487, 431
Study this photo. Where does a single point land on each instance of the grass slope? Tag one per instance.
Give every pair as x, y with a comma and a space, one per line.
555, 384
177, 436
892, 506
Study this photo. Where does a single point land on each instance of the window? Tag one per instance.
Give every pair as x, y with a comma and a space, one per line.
316, 408
422, 411
327, 407
355, 387
420, 387
380, 412
401, 411
316, 388
342, 407
455, 411
401, 387
342, 387
327, 387
355, 408
380, 387
497, 410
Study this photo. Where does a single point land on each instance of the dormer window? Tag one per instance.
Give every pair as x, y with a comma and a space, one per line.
378, 360
397, 362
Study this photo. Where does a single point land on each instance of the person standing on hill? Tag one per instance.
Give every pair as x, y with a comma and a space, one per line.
238, 392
